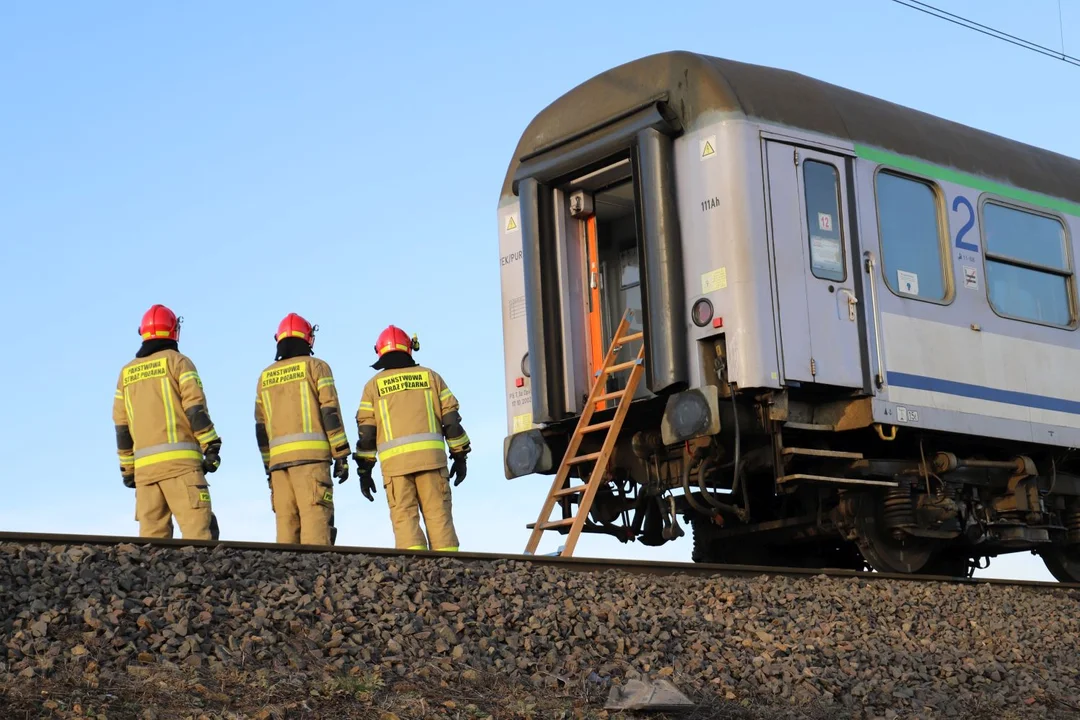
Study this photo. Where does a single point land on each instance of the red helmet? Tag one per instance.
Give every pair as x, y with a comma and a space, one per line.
160, 323
295, 326
394, 338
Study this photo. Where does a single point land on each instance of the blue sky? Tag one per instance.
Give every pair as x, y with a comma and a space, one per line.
239, 161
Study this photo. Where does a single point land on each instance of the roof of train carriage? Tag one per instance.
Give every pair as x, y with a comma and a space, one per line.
699, 86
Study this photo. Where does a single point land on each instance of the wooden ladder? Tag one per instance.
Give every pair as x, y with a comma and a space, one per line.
612, 427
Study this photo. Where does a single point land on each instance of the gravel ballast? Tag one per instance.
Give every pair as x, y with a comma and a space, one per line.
156, 632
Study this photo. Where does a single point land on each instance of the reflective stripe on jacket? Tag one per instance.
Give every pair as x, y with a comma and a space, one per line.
297, 414
158, 399
406, 406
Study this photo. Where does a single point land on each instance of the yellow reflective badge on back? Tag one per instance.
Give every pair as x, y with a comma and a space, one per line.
284, 374
146, 371
403, 381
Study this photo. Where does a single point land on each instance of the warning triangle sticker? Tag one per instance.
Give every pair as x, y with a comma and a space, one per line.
707, 150
510, 224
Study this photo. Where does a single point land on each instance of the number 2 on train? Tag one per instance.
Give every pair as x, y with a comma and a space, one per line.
957, 202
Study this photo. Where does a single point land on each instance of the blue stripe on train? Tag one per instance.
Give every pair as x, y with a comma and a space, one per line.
981, 392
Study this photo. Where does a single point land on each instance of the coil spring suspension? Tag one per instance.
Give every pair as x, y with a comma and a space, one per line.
898, 512
1072, 525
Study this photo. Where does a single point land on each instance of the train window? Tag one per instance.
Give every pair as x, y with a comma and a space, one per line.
1027, 265
909, 223
822, 188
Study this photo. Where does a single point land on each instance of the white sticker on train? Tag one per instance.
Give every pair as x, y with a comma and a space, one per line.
971, 278
908, 282
824, 222
825, 253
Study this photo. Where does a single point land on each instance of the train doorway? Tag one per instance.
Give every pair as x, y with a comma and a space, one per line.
614, 274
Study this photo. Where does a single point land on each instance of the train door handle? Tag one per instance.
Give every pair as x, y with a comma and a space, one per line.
852, 301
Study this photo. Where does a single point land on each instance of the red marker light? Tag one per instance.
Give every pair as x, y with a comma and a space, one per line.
520, 382
718, 322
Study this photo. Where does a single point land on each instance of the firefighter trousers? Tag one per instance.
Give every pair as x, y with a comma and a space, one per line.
186, 496
303, 500
426, 492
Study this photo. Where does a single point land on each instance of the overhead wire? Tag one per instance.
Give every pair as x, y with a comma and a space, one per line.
993, 32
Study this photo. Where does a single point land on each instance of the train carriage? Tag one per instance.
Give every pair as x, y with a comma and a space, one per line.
859, 320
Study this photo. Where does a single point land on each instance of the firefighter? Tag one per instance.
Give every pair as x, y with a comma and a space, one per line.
406, 420
164, 436
299, 429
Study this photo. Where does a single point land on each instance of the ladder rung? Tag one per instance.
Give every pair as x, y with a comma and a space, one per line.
610, 396
573, 490
583, 458
597, 427
628, 338
623, 366
557, 524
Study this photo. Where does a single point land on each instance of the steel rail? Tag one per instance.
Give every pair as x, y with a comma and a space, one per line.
577, 564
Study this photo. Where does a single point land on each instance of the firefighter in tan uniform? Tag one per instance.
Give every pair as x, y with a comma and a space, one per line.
299, 429
407, 419
164, 435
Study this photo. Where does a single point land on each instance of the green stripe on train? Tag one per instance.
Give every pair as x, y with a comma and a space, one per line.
972, 181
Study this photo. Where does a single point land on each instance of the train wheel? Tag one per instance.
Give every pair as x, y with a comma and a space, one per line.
884, 552
1063, 563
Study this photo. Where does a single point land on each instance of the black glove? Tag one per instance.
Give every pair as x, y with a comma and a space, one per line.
341, 469
367, 483
211, 458
129, 480
458, 468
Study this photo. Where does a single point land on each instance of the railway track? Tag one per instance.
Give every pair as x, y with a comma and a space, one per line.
577, 564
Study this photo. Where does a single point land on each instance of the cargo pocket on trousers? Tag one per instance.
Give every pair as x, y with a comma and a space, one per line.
324, 495
199, 494
444, 487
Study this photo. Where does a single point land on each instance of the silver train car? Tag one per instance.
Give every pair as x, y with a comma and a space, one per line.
860, 320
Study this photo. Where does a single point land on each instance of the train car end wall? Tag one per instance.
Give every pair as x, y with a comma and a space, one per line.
725, 250
515, 331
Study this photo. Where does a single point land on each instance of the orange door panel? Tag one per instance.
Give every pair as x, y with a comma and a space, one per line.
596, 324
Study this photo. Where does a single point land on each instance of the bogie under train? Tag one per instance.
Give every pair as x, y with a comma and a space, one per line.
860, 320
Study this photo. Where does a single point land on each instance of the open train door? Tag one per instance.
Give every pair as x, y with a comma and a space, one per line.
613, 276
595, 329
815, 281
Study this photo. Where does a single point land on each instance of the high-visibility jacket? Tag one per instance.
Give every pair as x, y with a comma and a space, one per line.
162, 422
406, 407
297, 414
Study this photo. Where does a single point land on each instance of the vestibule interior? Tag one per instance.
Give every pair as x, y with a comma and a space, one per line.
613, 274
